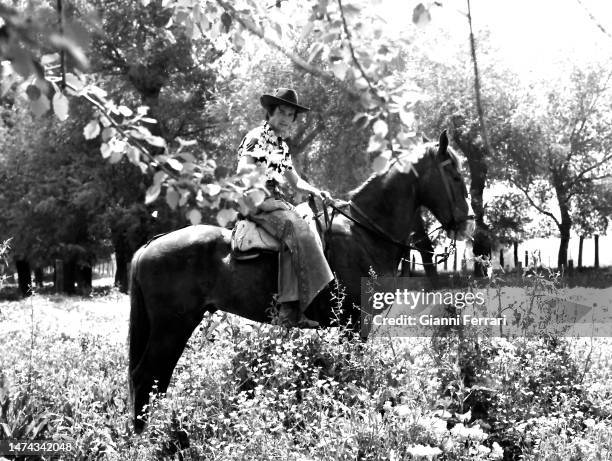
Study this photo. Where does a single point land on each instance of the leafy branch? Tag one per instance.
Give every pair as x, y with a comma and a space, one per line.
351, 48
533, 204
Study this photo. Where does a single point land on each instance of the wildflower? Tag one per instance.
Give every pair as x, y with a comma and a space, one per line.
464, 433
497, 452
427, 452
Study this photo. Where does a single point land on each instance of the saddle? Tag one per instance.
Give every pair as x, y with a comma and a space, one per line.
248, 240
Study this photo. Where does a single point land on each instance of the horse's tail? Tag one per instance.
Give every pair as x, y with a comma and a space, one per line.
139, 324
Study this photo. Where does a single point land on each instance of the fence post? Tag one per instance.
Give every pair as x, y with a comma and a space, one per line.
59, 275
445, 258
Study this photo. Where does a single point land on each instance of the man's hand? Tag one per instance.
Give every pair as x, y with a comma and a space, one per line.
322, 195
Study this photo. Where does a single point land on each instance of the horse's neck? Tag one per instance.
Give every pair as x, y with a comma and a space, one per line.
391, 203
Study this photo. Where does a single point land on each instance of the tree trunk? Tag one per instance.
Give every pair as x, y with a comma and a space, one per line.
24, 275
69, 277
38, 277
565, 225
83, 278
501, 258
516, 255
596, 250
123, 255
476, 155
564, 230
580, 251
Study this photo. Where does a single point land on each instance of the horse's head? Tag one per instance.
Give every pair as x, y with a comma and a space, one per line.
443, 191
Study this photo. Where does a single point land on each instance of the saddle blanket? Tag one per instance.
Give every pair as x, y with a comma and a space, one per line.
247, 236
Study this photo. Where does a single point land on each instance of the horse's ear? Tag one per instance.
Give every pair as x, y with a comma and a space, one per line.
443, 143
426, 139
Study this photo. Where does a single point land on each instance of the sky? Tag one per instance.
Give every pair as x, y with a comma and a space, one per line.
531, 35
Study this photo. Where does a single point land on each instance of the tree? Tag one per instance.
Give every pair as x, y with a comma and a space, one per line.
508, 216
560, 146
591, 213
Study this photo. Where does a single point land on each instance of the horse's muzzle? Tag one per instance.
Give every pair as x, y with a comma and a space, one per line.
463, 231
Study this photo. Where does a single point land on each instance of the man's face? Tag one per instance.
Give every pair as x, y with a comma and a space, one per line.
282, 120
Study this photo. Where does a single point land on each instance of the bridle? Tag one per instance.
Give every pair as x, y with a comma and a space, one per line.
371, 226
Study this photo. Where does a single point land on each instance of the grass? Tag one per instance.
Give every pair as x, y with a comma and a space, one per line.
245, 391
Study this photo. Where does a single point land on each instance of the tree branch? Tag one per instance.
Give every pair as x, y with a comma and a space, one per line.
297, 60
120, 129
583, 173
351, 48
308, 138
599, 26
533, 204
479, 108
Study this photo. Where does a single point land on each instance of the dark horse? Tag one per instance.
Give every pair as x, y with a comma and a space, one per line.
179, 276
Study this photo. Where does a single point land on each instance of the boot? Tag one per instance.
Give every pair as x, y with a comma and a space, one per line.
290, 316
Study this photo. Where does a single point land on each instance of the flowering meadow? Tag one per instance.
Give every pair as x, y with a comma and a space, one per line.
245, 391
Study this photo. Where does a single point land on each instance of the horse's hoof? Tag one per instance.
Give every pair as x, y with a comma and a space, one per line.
139, 426
305, 322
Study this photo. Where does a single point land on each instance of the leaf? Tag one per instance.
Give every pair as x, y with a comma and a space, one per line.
63, 42
339, 69
172, 198
152, 193
125, 111
194, 216
33, 92
256, 196
306, 31
108, 133
40, 106
92, 129
60, 106
315, 49
74, 81
159, 177
116, 156
226, 216
21, 60
368, 102
420, 15
175, 164
212, 189
380, 128
350, 10
186, 142
133, 154
105, 150
380, 163
407, 118
376, 143
361, 119
156, 141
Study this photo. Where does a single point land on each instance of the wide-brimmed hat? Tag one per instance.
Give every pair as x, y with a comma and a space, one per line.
282, 96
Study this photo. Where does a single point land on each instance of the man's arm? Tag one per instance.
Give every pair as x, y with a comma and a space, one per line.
303, 186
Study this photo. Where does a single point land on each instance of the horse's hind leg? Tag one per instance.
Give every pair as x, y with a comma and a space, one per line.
166, 343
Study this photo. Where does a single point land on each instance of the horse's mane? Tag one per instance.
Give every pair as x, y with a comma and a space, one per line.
430, 148
414, 157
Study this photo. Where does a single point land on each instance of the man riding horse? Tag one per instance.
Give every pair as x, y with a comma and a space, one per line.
303, 269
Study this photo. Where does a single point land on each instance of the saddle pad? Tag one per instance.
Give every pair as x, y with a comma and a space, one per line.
247, 235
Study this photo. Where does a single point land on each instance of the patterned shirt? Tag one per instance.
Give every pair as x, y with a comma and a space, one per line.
267, 149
